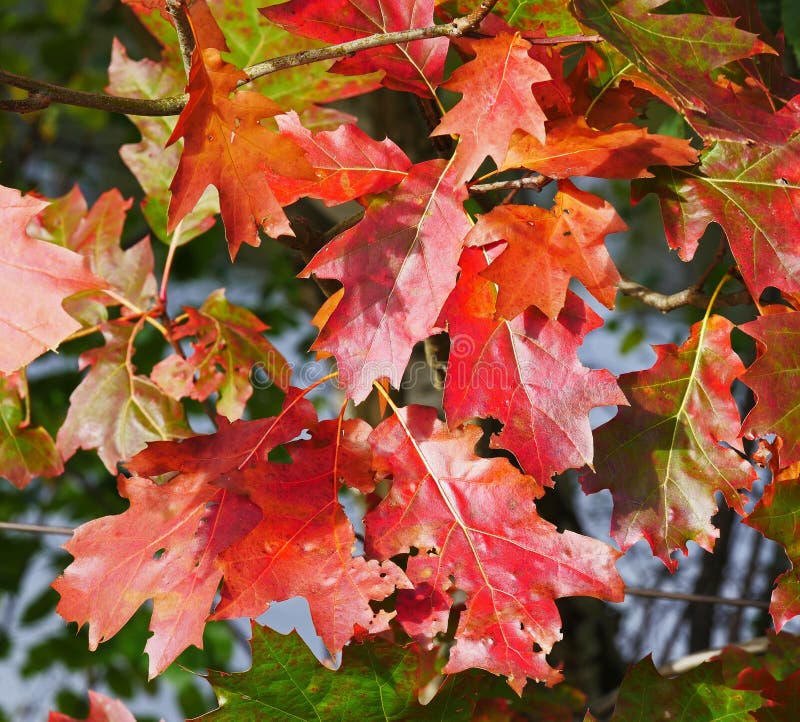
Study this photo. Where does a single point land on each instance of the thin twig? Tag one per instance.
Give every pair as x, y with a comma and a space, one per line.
36, 528
691, 296
534, 182
696, 598
183, 29
174, 105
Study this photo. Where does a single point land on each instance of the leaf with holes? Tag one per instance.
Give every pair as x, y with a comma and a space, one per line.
476, 529
166, 546
525, 373
230, 345
663, 459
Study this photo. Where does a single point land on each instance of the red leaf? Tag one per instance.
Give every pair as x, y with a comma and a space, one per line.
662, 458
548, 247
101, 709
773, 376
475, 526
753, 192
165, 547
227, 146
572, 148
496, 100
230, 345
34, 321
413, 67
402, 255
304, 543
348, 163
525, 373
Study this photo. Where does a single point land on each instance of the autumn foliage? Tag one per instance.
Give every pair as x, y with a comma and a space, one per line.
448, 566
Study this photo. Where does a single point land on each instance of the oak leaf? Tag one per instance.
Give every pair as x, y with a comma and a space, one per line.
230, 345
753, 192
415, 67
35, 321
114, 409
525, 373
663, 458
474, 524
225, 144
402, 255
348, 163
496, 100
572, 148
545, 248
165, 547
25, 451
304, 544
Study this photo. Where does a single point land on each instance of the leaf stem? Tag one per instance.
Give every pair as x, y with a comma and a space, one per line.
137, 311
36, 528
173, 243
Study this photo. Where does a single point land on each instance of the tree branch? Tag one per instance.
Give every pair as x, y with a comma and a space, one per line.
172, 106
36, 528
534, 182
691, 296
697, 598
183, 29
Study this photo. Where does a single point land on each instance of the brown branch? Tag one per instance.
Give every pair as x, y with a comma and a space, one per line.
696, 598
36, 528
564, 39
691, 296
173, 105
183, 29
534, 182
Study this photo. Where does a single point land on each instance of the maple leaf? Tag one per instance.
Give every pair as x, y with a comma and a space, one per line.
165, 547
545, 248
525, 373
402, 255
304, 544
96, 234
415, 67
25, 451
115, 410
377, 681
496, 100
230, 344
101, 709
572, 148
348, 164
475, 525
35, 321
773, 378
150, 161
679, 51
226, 145
662, 458
753, 192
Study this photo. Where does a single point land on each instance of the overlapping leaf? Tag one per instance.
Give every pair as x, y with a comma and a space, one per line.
165, 547
545, 248
474, 524
682, 52
230, 344
525, 373
414, 67
225, 144
101, 709
25, 451
397, 265
348, 163
34, 321
378, 681
663, 458
149, 160
753, 192
304, 545
572, 148
496, 100
114, 409
773, 377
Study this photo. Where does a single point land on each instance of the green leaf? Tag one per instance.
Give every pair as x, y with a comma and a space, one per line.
377, 682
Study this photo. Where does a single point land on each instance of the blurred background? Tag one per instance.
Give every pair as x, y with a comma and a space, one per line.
44, 664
